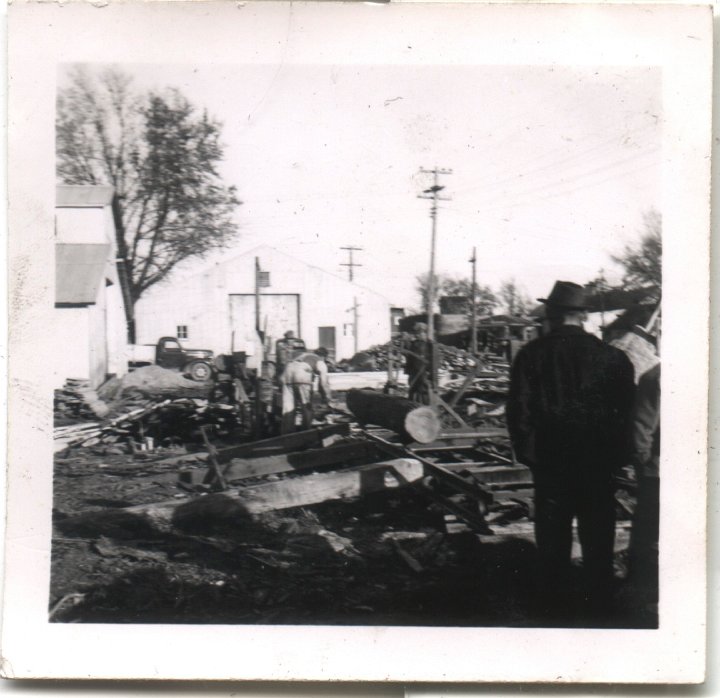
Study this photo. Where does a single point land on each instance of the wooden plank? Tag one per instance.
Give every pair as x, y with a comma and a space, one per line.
284, 494
283, 444
493, 474
456, 439
460, 445
477, 433
355, 453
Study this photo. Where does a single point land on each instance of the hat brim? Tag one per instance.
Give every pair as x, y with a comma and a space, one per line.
562, 305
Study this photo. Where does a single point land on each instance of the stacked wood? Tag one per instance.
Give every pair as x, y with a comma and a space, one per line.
94, 433
77, 400
410, 421
153, 420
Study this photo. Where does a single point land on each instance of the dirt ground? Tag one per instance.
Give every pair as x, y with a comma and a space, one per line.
386, 559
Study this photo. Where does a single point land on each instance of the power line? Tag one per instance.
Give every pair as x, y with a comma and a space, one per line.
351, 264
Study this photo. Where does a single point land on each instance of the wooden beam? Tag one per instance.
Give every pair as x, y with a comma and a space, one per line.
477, 433
410, 421
456, 439
432, 469
348, 454
493, 474
235, 505
311, 438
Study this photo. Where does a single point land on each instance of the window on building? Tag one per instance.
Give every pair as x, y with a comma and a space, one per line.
182, 332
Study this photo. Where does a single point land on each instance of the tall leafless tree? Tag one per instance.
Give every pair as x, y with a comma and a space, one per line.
161, 155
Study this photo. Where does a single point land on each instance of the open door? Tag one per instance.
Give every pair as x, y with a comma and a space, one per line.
326, 338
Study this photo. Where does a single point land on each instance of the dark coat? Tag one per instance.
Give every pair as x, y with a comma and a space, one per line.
570, 404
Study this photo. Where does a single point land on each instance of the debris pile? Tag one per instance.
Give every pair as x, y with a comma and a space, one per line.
352, 521
152, 424
77, 401
377, 357
157, 382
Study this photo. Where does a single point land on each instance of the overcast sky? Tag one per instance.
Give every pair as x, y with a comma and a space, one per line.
553, 167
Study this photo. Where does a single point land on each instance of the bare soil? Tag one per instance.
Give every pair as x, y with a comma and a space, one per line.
385, 559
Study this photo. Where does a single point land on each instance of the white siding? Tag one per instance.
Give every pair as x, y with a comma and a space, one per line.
204, 303
116, 331
84, 225
72, 342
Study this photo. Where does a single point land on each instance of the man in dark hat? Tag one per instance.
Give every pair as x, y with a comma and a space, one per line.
569, 414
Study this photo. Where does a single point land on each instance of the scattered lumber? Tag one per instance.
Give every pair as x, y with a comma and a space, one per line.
344, 454
310, 438
412, 422
234, 507
85, 435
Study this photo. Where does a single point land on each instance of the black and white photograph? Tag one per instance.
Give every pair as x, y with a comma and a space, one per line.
350, 344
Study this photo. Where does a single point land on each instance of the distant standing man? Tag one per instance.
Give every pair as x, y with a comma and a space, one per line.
285, 348
418, 365
569, 414
646, 458
297, 381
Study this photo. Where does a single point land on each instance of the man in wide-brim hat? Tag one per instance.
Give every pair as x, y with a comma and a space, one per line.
569, 414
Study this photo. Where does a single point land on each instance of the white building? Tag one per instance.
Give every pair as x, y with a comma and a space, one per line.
90, 328
215, 309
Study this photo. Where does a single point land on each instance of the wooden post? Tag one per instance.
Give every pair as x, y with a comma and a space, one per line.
473, 327
257, 299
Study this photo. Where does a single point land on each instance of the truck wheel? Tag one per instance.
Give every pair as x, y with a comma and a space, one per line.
199, 371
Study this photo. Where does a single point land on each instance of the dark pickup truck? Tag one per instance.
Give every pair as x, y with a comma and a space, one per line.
169, 353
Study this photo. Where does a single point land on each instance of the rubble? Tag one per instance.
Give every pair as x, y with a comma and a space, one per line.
377, 357
339, 524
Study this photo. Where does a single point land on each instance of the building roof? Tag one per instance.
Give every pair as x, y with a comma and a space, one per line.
295, 260
79, 271
83, 195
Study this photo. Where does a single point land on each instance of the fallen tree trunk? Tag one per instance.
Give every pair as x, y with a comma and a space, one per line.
338, 455
311, 438
238, 507
412, 422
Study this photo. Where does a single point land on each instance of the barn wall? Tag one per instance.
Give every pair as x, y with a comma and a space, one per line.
205, 304
72, 339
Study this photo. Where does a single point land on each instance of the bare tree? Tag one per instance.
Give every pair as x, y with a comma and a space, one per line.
445, 285
485, 300
642, 262
161, 156
515, 300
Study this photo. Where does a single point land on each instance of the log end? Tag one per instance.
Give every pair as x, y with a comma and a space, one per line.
423, 425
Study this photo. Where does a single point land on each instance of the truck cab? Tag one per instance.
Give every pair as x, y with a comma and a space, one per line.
198, 363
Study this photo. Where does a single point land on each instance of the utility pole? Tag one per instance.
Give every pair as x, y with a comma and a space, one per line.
355, 325
257, 298
433, 194
354, 309
473, 291
350, 264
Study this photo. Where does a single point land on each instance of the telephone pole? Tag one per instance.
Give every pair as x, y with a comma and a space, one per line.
473, 291
354, 309
433, 193
350, 264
